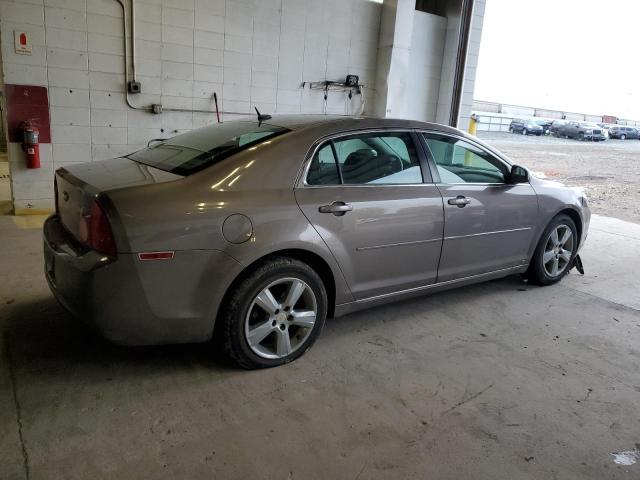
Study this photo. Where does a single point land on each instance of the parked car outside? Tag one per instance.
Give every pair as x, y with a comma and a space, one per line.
525, 127
257, 231
582, 131
556, 127
623, 132
605, 129
545, 124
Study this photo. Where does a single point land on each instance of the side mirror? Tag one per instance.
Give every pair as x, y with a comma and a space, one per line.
518, 174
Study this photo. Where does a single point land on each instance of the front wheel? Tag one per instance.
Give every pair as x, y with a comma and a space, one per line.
555, 252
274, 314
524, 131
623, 137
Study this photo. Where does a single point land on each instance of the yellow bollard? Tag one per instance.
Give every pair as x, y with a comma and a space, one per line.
473, 128
473, 124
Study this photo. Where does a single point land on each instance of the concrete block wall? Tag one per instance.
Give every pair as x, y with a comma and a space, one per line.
427, 47
473, 53
251, 52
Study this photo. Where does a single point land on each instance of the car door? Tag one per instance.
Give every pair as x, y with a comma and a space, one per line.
489, 223
572, 129
370, 197
518, 125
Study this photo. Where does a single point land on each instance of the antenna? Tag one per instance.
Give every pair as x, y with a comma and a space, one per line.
261, 117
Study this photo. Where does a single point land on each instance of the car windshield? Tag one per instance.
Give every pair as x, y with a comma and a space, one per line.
193, 151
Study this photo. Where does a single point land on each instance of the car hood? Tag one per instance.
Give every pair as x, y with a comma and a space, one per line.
544, 182
116, 173
539, 179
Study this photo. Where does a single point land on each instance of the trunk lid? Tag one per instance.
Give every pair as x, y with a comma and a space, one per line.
78, 186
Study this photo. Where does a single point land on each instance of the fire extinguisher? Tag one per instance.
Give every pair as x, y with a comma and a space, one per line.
30, 144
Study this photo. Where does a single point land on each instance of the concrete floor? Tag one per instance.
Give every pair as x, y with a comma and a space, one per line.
495, 381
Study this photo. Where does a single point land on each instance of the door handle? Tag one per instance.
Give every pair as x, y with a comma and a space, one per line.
337, 208
460, 201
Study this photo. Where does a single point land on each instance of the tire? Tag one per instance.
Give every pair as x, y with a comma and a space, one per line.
242, 312
581, 137
623, 137
524, 131
542, 273
511, 130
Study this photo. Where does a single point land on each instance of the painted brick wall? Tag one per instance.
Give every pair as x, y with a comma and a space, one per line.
251, 52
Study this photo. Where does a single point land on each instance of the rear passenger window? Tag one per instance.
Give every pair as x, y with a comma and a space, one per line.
372, 158
323, 169
378, 158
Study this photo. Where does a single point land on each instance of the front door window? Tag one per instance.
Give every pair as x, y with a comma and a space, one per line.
458, 161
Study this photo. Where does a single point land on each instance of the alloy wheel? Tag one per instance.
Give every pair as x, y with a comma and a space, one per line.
558, 251
281, 318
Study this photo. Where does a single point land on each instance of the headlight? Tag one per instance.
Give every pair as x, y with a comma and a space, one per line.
588, 131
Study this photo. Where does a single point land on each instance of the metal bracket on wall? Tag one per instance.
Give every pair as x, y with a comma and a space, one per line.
350, 86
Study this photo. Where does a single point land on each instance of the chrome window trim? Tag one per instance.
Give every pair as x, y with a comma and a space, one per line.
478, 184
370, 185
322, 141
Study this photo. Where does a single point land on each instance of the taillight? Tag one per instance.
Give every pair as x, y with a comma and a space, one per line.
95, 230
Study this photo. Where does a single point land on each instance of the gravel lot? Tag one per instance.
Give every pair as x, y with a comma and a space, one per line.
608, 171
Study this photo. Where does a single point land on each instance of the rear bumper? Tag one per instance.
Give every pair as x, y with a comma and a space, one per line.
131, 302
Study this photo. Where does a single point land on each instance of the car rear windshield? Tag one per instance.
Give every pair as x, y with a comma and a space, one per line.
196, 150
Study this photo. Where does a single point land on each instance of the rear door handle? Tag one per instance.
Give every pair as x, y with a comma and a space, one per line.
337, 208
460, 201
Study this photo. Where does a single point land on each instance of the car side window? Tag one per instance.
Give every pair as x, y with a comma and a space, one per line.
323, 169
378, 158
458, 161
368, 158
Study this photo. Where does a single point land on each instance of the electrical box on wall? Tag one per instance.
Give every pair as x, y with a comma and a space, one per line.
352, 81
134, 87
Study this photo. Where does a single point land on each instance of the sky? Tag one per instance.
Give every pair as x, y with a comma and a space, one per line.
573, 55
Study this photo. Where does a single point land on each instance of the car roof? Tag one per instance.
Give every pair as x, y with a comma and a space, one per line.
338, 123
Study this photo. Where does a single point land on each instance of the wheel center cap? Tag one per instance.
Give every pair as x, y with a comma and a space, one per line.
281, 317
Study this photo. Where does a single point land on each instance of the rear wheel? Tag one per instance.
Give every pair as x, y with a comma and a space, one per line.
274, 314
555, 252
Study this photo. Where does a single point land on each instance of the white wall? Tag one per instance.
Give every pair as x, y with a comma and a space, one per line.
473, 52
251, 52
427, 48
